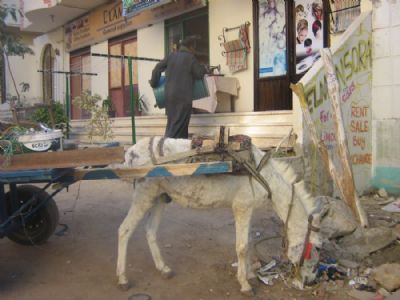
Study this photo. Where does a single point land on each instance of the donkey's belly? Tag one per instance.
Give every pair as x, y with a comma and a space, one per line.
204, 191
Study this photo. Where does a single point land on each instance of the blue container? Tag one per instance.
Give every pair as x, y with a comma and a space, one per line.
200, 90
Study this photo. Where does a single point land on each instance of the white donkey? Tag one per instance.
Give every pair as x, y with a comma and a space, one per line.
241, 192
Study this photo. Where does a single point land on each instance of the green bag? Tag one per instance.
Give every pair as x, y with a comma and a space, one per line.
200, 90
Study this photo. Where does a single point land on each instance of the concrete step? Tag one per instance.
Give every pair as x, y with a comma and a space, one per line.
265, 128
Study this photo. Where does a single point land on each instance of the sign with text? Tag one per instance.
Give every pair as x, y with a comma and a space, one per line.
107, 21
353, 64
134, 7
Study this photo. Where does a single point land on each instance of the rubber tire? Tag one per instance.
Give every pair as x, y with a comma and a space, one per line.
41, 225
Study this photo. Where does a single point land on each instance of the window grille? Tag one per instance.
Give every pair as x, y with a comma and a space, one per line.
343, 13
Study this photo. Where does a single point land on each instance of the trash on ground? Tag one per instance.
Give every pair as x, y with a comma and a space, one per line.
268, 279
263, 270
358, 281
393, 206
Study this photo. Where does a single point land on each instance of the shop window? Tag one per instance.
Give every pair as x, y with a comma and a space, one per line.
79, 63
48, 76
119, 87
193, 23
343, 13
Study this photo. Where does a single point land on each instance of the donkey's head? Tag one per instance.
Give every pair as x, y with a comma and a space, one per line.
299, 210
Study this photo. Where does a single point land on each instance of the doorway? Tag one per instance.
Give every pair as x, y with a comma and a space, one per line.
119, 74
287, 36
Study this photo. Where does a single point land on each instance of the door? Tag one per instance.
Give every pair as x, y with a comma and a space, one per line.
79, 63
287, 36
273, 68
119, 90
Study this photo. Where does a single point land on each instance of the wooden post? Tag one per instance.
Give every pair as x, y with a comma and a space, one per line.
67, 102
346, 178
132, 98
298, 89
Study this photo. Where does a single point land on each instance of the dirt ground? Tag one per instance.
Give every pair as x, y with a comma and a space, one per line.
80, 263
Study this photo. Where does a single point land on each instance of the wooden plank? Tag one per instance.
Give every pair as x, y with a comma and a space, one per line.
208, 147
183, 155
345, 179
63, 159
168, 170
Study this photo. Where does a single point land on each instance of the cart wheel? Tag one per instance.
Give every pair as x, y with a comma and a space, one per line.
41, 225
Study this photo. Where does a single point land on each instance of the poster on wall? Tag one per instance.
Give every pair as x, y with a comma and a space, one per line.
133, 7
309, 33
272, 38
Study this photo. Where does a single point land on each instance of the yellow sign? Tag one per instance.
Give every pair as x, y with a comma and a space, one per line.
107, 21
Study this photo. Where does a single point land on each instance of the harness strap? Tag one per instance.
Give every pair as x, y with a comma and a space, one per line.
264, 160
160, 146
251, 169
152, 156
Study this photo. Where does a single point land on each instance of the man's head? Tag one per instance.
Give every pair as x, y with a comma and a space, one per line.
190, 42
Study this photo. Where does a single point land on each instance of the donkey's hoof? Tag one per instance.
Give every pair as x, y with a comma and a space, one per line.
124, 286
249, 293
167, 274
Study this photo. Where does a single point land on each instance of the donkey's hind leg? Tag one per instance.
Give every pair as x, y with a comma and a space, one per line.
152, 224
141, 204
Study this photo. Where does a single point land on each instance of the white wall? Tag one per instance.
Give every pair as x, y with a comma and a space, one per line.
386, 94
232, 13
61, 63
150, 45
386, 59
25, 69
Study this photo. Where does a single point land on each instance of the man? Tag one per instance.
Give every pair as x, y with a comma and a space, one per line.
181, 70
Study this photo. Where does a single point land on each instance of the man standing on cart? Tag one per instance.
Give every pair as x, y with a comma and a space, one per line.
181, 70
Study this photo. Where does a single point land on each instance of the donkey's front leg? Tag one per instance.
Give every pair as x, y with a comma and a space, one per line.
242, 220
140, 206
152, 224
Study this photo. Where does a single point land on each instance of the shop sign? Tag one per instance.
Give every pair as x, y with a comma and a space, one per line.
353, 64
108, 21
134, 7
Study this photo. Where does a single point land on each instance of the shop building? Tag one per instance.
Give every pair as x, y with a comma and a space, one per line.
284, 38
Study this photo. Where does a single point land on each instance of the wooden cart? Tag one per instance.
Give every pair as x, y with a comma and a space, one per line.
29, 214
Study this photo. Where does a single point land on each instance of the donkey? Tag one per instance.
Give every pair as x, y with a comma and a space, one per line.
242, 193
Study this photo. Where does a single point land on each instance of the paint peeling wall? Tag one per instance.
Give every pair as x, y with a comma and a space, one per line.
352, 57
386, 95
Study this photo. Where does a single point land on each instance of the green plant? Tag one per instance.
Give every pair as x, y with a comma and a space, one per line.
10, 41
109, 106
99, 123
42, 115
